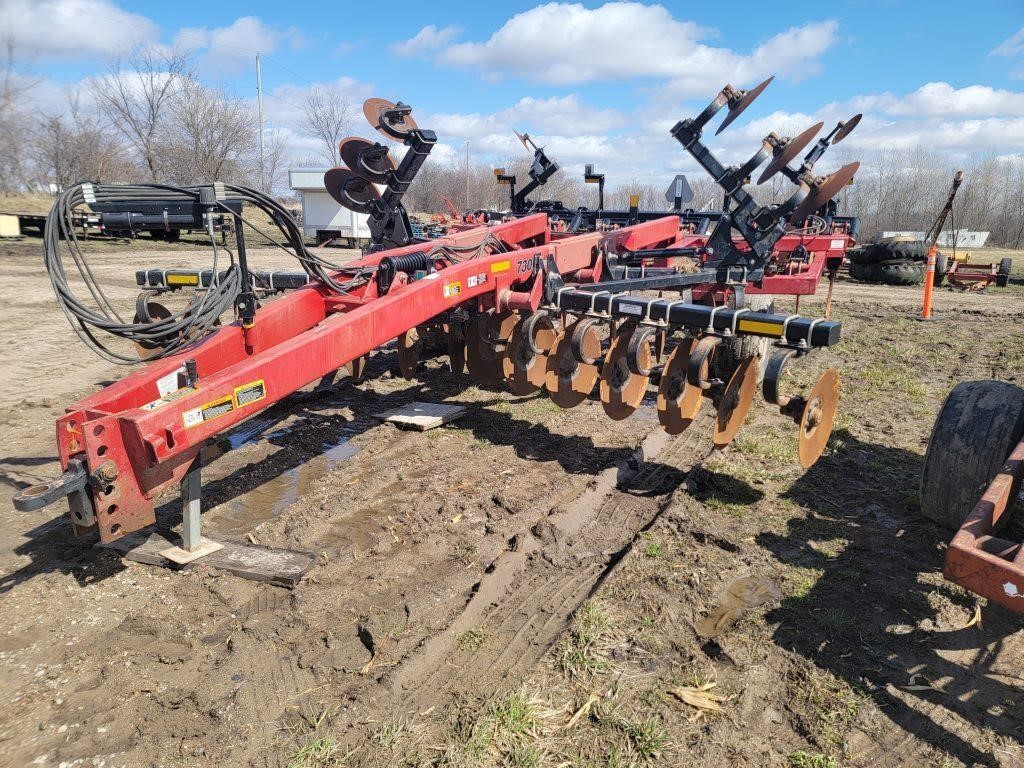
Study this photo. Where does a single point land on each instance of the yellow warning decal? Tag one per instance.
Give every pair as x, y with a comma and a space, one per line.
249, 393
452, 289
209, 411
501, 266
192, 279
759, 326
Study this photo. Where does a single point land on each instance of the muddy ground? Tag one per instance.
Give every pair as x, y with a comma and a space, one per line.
525, 586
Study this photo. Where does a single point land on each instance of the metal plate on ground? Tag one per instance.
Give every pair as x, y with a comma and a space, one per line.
284, 567
423, 416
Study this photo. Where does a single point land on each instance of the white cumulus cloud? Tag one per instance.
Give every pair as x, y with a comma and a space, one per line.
72, 28
568, 44
425, 42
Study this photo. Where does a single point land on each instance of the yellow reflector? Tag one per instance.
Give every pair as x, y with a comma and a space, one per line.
758, 326
192, 279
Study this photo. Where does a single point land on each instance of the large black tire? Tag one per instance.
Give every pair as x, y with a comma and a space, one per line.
889, 273
978, 426
941, 268
900, 250
1003, 272
173, 235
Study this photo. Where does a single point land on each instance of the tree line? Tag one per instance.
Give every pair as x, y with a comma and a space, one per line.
149, 117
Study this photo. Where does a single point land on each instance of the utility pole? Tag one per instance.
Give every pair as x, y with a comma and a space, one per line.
259, 101
467, 174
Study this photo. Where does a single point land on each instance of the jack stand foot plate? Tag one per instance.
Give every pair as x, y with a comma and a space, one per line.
284, 567
181, 556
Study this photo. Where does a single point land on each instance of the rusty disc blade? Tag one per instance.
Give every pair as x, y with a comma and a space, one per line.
622, 391
146, 349
356, 368
735, 110
366, 158
824, 192
734, 402
818, 417
410, 346
847, 128
455, 339
485, 345
678, 401
375, 109
568, 381
351, 190
792, 148
523, 368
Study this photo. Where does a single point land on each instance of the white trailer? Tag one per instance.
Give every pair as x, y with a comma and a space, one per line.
322, 217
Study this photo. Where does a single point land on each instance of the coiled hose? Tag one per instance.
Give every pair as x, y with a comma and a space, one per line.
96, 313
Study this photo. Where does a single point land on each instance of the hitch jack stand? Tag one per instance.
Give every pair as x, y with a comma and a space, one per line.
193, 545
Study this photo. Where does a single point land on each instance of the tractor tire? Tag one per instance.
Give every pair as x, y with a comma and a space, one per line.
889, 273
173, 235
978, 426
858, 254
899, 250
941, 268
731, 352
1003, 272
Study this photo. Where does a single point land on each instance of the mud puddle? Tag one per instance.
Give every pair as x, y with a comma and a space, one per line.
241, 514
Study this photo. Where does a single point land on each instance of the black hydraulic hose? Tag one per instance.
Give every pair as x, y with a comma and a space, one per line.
93, 314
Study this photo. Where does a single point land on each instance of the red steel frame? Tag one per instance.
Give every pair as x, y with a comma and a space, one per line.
142, 444
981, 562
137, 441
799, 279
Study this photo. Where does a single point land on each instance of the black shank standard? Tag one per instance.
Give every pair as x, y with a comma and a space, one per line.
389, 223
761, 227
542, 169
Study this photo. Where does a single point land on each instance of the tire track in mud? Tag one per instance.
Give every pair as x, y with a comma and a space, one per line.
527, 597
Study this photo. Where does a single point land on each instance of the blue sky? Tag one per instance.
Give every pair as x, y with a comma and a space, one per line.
597, 82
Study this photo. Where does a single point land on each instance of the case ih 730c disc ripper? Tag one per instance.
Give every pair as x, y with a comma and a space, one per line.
514, 302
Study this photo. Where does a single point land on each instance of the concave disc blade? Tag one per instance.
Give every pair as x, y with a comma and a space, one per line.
357, 155
818, 418
824, 192
374, 110
356, 368
735, 110
793, 148
485, 345
678, 401
847, 128
351, 190
734, 403
455, 340
410, 345
157, 311
568, 381
523, 368
622, 391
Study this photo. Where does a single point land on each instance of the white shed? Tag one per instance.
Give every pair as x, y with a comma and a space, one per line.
322, 217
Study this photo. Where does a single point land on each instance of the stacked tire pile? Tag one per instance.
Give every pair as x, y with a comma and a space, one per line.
895, 262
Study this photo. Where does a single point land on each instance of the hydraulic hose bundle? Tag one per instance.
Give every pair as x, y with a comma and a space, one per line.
167, 335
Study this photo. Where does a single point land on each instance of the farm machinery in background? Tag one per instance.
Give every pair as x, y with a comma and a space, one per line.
644, 308
907, 260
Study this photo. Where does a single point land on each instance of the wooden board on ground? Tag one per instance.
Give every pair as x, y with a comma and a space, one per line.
423, 416
276, 566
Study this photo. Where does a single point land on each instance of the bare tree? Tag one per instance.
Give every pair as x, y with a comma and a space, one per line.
275, 159
327, 116
74, 145
209, 136
15, 119
135, 96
